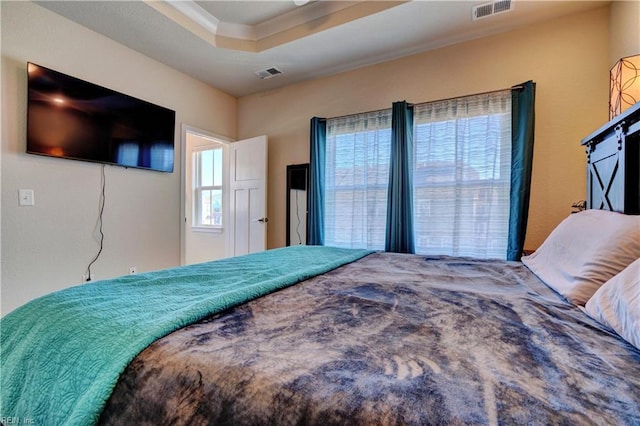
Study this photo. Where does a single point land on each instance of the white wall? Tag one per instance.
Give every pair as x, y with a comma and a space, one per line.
1, 138
48, 247
297, 217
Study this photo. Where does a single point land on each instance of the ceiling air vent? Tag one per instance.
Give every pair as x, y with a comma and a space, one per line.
488, 9
268, 73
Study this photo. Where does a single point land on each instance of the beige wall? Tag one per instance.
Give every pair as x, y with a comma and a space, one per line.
568, 58
625, 30
48, 246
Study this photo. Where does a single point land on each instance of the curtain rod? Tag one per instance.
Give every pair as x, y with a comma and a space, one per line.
357, 113
517, 87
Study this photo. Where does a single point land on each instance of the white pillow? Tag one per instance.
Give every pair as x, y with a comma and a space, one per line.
617, 304
584, 251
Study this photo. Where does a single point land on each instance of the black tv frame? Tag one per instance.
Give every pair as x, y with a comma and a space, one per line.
71, 118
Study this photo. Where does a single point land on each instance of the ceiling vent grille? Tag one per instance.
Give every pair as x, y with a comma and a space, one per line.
489, 9
268, 73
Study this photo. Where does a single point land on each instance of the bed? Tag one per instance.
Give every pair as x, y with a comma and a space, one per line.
384, 339
322, 335
390, 339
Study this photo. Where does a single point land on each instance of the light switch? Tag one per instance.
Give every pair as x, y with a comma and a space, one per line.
26, 197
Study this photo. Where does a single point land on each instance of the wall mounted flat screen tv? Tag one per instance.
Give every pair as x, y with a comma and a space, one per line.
71, 118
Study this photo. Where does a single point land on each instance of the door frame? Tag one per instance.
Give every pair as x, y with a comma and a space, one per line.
187, 129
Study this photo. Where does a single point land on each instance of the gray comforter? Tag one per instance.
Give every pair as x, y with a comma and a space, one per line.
390, 339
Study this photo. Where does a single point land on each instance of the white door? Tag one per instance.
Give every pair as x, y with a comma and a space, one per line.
248, 196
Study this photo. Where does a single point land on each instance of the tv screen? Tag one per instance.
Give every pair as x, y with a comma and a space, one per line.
71, 118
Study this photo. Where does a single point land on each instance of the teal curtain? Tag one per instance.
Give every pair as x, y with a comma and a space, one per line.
315, 219
399, 232
522, 129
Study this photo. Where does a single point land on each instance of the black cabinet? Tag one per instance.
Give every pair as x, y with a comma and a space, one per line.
297, 203
613, 164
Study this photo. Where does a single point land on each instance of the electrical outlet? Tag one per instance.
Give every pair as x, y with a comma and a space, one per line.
26, 197
133, 270
86, 278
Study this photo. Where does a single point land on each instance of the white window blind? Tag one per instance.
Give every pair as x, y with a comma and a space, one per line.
462, 175
357, 175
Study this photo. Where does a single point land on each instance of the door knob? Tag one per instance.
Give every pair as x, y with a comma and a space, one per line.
263, 219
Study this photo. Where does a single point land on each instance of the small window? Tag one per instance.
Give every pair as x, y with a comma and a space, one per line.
207, 182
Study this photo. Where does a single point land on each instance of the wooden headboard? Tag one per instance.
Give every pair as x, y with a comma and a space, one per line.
613, 164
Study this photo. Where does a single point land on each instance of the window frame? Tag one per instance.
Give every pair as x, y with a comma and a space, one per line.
353, 132
498, 119
198, 188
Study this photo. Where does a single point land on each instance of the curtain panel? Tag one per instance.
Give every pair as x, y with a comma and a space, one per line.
315, 220
399, 226
522, 135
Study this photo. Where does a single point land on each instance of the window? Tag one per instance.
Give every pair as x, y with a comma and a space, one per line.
463, 168
357, 176
207, 182
461, 177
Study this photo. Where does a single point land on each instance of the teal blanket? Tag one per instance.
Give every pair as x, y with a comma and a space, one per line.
62, 354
